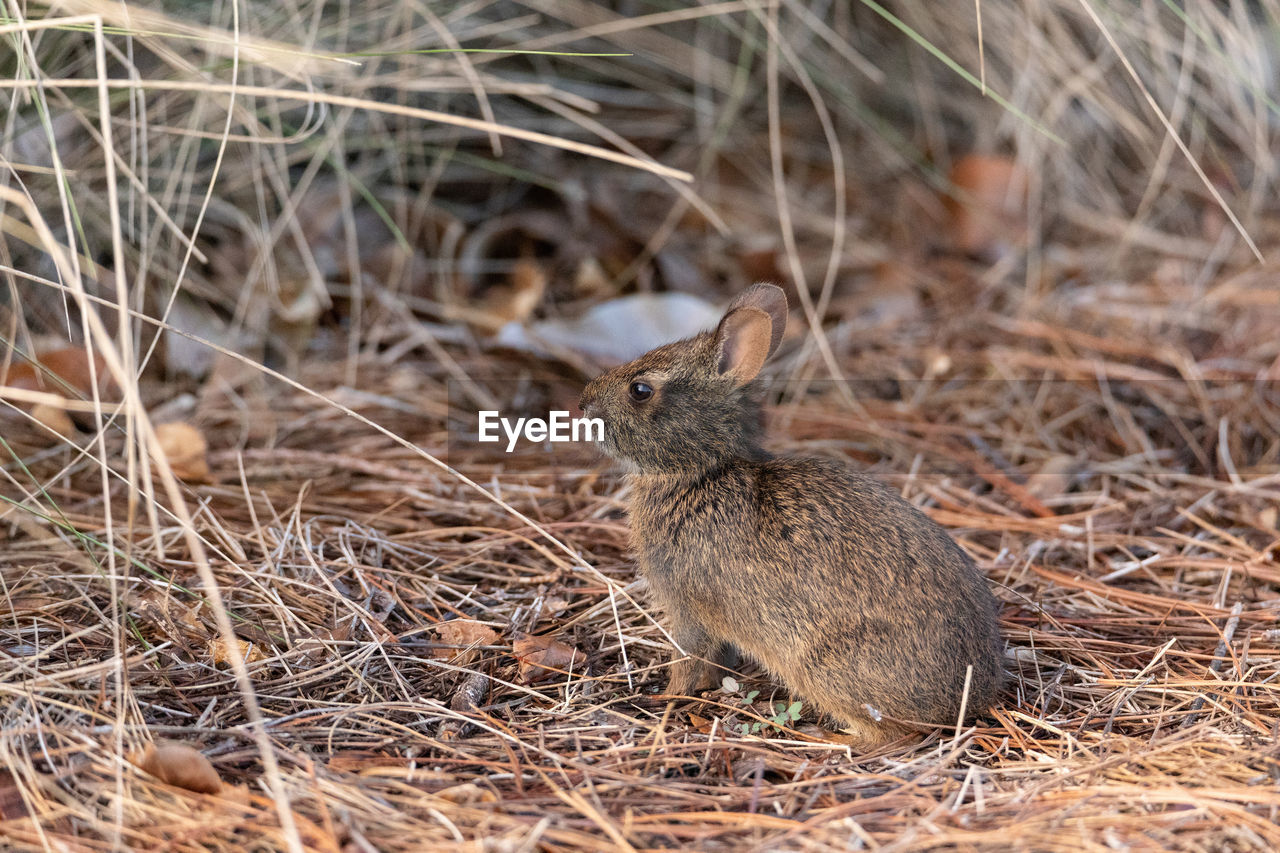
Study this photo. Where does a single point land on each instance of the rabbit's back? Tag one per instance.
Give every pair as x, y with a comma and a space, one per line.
829, 579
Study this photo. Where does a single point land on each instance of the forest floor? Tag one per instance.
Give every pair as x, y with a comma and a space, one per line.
1120, 495
358, 629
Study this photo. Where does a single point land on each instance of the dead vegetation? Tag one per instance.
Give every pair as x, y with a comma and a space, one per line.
382, 635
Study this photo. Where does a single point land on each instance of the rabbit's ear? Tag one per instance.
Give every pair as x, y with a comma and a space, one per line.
743, 343
750, 332
770, 299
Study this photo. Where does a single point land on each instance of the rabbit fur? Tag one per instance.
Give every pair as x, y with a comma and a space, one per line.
850, 596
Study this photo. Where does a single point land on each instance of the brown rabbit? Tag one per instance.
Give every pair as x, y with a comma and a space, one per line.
852, 597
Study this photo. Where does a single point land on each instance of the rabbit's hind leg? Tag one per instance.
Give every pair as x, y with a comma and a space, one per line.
865, 734
704, 663
724, 661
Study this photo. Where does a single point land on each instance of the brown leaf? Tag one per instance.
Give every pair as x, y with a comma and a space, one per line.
221, 656
554, 605
156, 607
185, 448
528, 284
181, 766
153, 604
590, 279
987, 206
319, 647
55, 418
467, 793
462, 632
1054, 477
465, 632
542, 657
61, 371
702, 724
514, 301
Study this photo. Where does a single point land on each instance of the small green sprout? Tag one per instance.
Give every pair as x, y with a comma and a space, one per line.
784, 715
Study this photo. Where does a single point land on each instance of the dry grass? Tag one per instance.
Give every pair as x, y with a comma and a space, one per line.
1096, 417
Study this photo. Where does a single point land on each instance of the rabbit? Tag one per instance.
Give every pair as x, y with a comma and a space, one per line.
861, 605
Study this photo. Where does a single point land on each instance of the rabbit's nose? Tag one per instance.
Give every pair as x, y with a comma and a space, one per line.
586, 401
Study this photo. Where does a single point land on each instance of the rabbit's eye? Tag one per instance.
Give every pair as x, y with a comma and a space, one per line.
640, 391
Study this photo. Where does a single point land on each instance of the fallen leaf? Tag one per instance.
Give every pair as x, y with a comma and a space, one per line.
618, 330
528, 285
221, 656
156, 608
464, 633
181, 766
553, 606
590, 279
185, 448
64, 372
60, 371
466, 794
319, 647
542, 657
55, 418
702, 724
510, 302
1054, 477
987, 205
